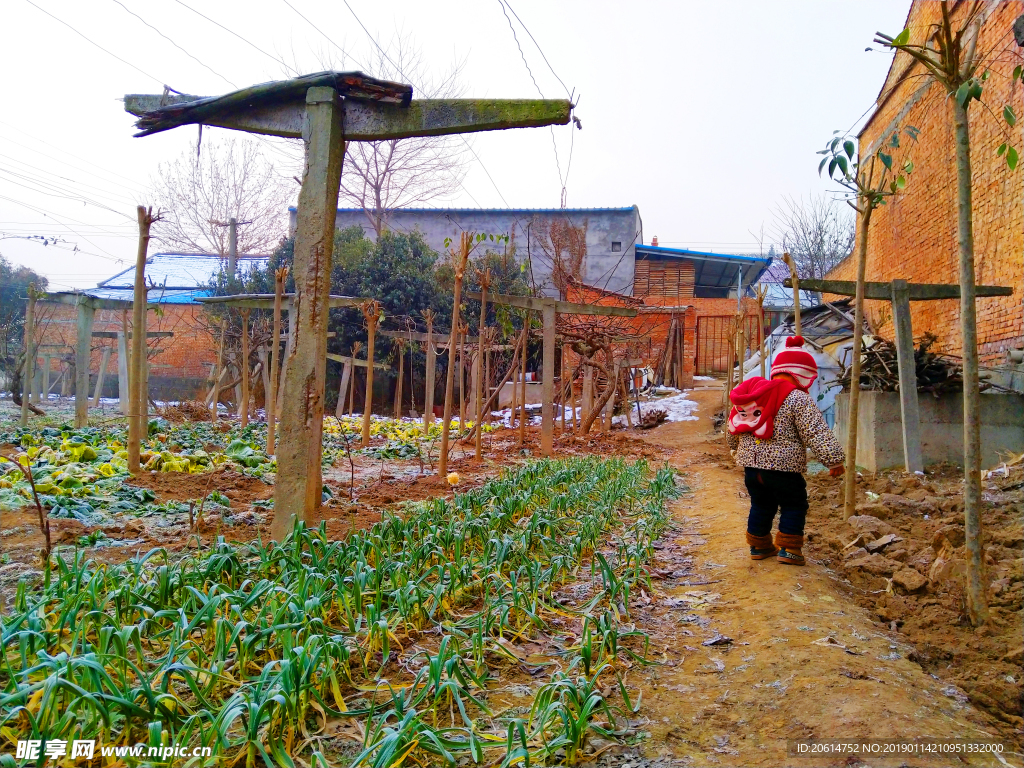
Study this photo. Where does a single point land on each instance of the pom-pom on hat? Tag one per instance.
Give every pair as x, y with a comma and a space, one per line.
797, 362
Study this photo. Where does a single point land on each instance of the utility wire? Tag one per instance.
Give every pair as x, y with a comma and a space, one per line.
324, 34
506, 3
232, 32
165, 37
109, 255
55, 18
376, 44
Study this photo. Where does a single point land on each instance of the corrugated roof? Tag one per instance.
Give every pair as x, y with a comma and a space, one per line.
181, 270
712, 270
292, 209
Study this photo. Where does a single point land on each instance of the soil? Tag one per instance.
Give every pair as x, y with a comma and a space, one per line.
751, 654
808, 657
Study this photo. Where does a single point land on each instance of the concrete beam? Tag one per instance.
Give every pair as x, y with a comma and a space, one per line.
77, 299
266, 301
437, 338
348, 360
561, 307
371, 121
917, 291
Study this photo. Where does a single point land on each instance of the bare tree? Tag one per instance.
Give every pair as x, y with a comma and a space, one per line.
564, 246
380, 176
818, 233
220, 181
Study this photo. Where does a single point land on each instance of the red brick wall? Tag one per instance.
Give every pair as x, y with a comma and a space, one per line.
178, 365
914, 237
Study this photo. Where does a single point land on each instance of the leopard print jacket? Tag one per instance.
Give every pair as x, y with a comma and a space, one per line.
799, 425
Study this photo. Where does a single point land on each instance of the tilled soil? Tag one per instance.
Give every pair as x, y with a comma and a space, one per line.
902, 556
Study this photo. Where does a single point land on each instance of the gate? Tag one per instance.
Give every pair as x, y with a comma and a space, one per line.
715, 334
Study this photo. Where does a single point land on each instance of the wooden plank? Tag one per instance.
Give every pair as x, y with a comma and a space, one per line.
917, 291
561, 307
909, 406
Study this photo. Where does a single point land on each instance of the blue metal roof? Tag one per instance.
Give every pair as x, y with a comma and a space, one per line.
293, 209
712, 270
181, 270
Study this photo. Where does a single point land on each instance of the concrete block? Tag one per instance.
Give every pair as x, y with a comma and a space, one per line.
879, 428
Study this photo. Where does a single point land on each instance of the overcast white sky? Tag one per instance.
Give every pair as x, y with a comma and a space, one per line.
702, 114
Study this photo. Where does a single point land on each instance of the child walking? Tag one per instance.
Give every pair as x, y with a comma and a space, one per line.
771, 426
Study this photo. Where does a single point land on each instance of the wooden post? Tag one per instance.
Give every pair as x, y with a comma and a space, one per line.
280, 275
299, 483
909, 407
459, 260
30, 353
104, 362
279, 405
346, 380
137, 426
462, 377
244, 400
547, 429
122, 371
263, 353
83, 348
796, 291
400, 348
371, 312
428, 388
762, 291
522, 379
478, 388
588, 392
487, 376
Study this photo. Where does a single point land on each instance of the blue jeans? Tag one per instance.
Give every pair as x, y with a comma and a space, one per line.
771, 491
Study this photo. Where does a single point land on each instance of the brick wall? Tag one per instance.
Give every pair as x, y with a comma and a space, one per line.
914, 237
179, 365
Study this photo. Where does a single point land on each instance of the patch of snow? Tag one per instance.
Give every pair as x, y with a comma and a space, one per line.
703, 378
678, 407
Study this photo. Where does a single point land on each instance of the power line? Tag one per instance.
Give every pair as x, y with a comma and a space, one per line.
53, 190
109, 255
325, 36
231, 31
541, 50
376, 44
55, 18
165, 37
114, 196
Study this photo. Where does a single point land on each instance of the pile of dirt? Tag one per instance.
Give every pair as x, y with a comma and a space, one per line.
903, 556
178, 486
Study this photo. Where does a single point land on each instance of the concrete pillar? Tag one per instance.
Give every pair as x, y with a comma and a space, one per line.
547, 430
122, 373
909, 406
98, 391
297, 491
46, 376
82, 354
431, 373
346, 380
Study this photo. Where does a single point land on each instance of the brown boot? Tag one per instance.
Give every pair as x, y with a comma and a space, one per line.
761, 547
789, 545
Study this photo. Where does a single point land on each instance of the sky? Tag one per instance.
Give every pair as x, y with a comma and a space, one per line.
705, 115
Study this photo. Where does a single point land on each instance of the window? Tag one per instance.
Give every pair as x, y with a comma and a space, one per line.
616, 246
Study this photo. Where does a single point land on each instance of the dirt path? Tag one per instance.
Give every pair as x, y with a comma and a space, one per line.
786, 673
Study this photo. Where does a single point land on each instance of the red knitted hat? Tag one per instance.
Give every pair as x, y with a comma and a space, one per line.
797, 362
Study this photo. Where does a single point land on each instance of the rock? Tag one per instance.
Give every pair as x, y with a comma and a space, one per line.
946, 566
864, 524
922, 560
67, 531
873, 509
1015, 657
876, 565
879, 544
855, 553
895, 501
954, 534
897, 554
909, 579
